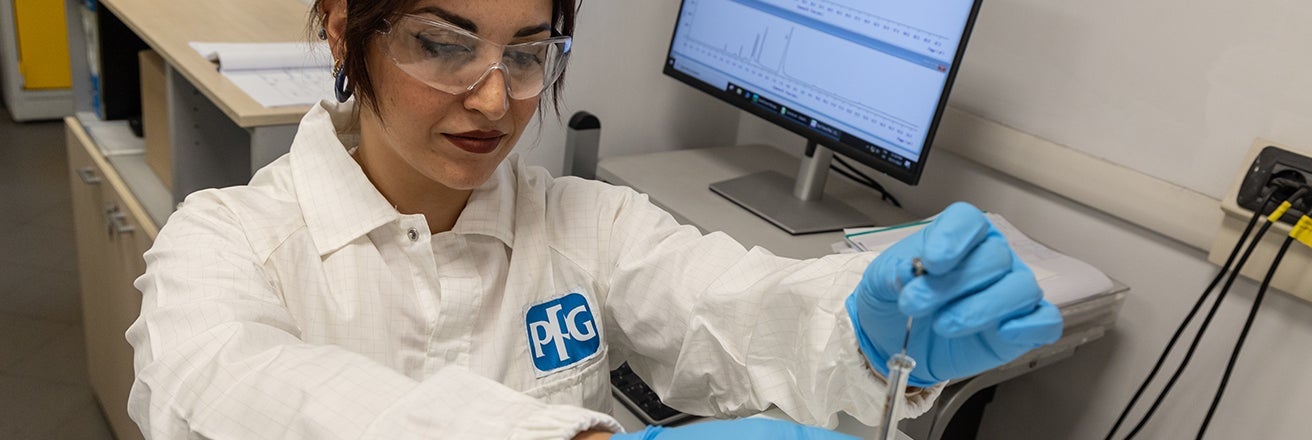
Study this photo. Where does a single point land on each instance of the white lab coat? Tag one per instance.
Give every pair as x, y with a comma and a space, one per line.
303, 305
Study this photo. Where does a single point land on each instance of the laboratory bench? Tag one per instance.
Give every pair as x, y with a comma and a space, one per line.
678, 181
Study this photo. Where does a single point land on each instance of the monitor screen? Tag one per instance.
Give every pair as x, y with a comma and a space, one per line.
866, 78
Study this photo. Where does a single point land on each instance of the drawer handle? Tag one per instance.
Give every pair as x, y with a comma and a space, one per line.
88, 176
117, 222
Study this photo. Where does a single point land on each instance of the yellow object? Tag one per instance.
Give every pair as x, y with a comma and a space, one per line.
1303, 231
42, 44
1279, 212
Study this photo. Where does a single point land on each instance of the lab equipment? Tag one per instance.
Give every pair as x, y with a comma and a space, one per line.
868, 80
582, 142
979, 305
753, 428
455, 60
899, 368
639, 398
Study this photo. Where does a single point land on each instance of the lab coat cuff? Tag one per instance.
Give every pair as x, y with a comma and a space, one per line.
563, 422
917, 401
456, 403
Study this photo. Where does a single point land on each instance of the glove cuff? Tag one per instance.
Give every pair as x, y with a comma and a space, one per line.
648, 433
877, 360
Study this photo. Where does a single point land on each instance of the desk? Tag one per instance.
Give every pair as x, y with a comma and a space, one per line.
219, 135
678, 181
169, 27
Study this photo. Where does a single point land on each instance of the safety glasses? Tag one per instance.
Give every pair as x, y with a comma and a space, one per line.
455, 61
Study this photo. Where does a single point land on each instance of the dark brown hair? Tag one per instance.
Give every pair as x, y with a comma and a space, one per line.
364, 18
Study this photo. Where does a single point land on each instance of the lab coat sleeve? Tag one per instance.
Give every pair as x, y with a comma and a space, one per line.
218, 356
720, 330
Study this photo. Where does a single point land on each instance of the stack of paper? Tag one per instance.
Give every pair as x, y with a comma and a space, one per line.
275, 74
1063, 278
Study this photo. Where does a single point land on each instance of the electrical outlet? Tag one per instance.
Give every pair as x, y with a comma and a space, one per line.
1266, 161
1273, 162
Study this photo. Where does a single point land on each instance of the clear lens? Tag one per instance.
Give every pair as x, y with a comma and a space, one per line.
455, 61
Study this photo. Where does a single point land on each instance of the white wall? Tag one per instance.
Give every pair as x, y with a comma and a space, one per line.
1173, 88
615, 73
1177, 89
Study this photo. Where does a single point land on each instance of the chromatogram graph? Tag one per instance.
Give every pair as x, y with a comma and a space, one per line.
851, 82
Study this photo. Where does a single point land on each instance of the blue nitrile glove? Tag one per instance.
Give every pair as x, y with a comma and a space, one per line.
753, 428
977, 306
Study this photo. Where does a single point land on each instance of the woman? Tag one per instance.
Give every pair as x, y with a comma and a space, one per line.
394, 276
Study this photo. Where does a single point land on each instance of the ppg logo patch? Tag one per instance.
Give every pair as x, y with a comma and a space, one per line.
561, 332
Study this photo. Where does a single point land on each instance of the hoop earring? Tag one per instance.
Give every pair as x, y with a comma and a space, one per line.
341, 86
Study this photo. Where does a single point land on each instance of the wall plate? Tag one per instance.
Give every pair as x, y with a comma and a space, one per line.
1293, 277
1272, 161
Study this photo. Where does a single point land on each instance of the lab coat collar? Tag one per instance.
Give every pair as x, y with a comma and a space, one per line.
339, 202
491, 207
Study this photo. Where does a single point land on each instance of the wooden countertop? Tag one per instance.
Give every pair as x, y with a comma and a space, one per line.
168, 26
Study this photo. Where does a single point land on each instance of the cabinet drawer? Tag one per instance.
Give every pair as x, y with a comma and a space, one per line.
110, 242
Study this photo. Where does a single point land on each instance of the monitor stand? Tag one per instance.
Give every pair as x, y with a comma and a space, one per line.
796, 206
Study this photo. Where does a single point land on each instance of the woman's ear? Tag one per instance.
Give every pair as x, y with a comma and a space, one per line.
334, 25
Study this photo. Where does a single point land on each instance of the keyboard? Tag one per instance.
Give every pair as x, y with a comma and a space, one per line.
641, 400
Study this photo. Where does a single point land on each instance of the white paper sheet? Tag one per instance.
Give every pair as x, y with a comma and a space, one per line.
275, 74
260, 56
284, 87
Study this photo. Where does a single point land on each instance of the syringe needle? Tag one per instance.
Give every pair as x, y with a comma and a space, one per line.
899, 373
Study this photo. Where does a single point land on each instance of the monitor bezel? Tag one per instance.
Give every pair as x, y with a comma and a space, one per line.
908, 176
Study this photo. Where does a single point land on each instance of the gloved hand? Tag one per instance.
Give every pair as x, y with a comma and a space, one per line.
753, 428
977, 306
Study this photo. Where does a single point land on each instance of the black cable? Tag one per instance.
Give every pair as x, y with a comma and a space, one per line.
1234, 356
859, 177
1207, 321
867, 180
858, 180
1202, 329
851, 177
1189, 318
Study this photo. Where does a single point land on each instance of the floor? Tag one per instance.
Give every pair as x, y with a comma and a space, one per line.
43, 378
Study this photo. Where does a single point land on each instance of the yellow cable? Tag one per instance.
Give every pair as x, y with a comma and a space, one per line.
1303, 231
1279, 212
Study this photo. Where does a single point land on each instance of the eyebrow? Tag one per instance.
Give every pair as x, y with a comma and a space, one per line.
462, 22
533, 30
467, 24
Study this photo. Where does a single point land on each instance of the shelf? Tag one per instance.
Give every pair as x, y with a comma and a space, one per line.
113, 138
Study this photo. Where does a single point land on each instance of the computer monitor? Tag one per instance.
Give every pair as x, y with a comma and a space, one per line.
868, 79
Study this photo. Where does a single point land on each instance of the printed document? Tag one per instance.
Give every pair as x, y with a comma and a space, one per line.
275, 74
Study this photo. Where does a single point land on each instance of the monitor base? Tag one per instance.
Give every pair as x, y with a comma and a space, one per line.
769, 195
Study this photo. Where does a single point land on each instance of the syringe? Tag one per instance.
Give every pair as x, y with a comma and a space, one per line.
899, 372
